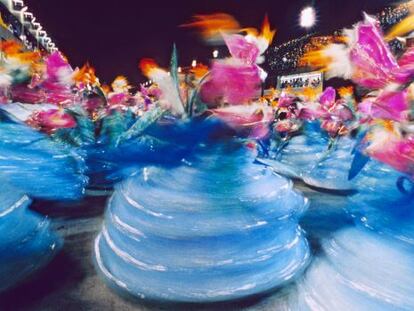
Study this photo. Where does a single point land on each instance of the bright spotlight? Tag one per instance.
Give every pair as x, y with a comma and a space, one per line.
308, 17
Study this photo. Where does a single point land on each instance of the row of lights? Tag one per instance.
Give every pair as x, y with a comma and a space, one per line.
308, 17
18, 9
148, 83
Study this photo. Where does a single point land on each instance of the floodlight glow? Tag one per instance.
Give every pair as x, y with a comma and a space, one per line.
308, 17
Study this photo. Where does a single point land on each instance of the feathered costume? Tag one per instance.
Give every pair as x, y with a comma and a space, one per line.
236, 219
369, 266
313, 145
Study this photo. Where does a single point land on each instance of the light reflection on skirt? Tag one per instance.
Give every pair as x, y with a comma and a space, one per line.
215, 228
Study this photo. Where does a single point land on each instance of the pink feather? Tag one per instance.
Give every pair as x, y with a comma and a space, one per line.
252, 121
241, 49
388, 106
231, 83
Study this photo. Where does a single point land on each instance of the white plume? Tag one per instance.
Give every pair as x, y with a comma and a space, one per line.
340, 65
170, 98
65, 75
5, 80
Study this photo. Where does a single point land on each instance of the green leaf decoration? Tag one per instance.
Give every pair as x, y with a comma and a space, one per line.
149, 118
194, 103
113, 126
174, 72
86, 129
129, 118
200, 107
174, 65
67, 137
191, 102
20, 76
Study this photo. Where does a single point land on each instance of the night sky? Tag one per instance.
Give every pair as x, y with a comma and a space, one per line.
114, 35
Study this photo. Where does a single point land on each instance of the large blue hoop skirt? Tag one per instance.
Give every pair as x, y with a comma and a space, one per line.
39, 167
295, 157
368, 266
332, 170
306, 157
217, 227
27, 243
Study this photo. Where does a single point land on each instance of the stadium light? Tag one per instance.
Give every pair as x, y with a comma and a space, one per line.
308, 17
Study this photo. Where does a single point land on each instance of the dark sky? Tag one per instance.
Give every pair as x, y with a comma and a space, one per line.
114, 35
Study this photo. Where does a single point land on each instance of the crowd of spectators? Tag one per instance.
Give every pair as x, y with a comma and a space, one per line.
285, 58
392, 15
300, 82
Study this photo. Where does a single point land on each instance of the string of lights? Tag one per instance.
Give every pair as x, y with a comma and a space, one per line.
24, 26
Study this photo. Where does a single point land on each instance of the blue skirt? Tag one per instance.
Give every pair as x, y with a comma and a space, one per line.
216, 227
27, 243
